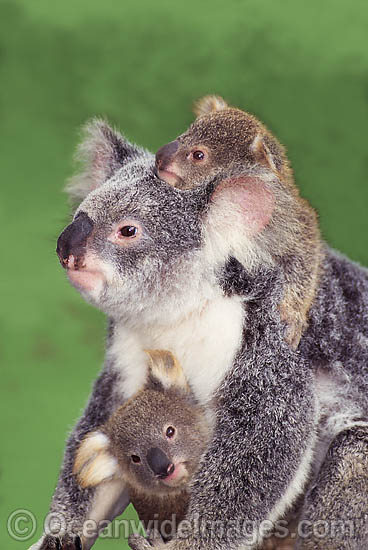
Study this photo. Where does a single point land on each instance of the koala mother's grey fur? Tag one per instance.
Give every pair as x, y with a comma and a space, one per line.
275, 411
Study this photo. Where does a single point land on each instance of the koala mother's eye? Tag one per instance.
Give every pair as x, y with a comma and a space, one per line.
136, 459
128, 231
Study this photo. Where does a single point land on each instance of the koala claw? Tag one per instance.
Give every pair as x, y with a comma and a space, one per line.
66, 542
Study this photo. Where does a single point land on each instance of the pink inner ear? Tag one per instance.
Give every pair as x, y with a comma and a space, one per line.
249, 196
101, 166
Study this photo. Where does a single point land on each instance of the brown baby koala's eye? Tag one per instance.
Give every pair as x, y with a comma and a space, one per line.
136, 459
198, 155
128, 231
170, 432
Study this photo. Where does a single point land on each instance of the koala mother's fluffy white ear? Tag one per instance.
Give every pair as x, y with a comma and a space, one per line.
93, 462
239, 210
100, 154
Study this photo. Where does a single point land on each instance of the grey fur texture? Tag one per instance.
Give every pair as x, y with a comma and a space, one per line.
337, 502
275, 411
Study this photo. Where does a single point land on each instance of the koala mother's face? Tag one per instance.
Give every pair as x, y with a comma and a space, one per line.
134, 242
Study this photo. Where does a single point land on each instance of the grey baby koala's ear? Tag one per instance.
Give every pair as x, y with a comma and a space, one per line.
165, 369
93, 462
100, 154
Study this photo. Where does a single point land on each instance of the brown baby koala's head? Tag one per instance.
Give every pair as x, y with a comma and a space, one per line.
221, 138
154, 441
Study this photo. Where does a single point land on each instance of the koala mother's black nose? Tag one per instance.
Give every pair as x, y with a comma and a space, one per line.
165, 154
159, 462
73, 239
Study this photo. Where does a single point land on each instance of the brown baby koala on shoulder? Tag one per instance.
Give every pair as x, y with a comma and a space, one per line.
154, 442
226, 143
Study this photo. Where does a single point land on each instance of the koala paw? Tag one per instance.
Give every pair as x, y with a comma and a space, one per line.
293, 335
153, 540
65, 542
138, 542
295, 324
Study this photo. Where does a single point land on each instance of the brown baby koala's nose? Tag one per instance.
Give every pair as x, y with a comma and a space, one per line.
72, 241
165, 154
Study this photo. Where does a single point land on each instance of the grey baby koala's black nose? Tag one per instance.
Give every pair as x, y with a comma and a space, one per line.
159, 462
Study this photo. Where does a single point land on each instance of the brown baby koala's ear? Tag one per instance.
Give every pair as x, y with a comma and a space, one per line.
267, 152
166, 369
208, 104
93, 462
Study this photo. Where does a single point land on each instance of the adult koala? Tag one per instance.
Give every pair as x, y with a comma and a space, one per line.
193, 272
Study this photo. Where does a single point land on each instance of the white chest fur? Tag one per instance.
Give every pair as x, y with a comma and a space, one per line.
205, 342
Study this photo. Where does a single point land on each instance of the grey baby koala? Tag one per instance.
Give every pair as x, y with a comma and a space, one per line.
154, 443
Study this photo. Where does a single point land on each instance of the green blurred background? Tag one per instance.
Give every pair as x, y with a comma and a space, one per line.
302, 67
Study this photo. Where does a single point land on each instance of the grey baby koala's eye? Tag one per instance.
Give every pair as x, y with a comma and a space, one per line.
170, 432
136, 459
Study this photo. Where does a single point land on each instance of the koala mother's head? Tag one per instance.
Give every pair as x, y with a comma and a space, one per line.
133, 237
139, 248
